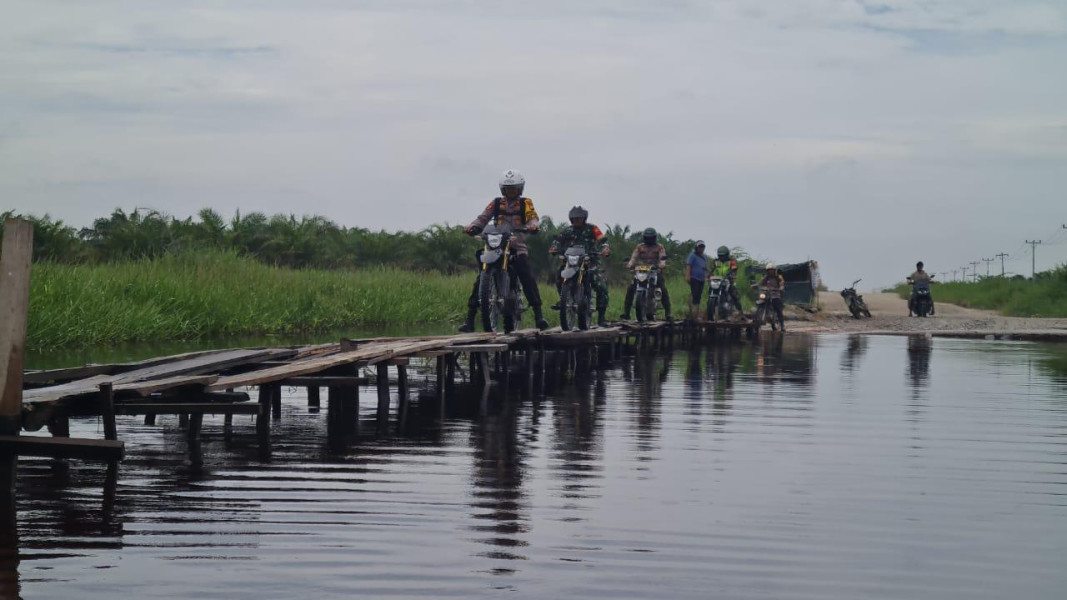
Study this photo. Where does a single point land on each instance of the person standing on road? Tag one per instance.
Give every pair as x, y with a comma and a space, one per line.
696, 271
513, 208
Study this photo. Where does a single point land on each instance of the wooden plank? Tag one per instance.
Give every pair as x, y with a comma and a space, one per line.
16, 256
478, 348
398, 361
28, 445
72, 373
325, 381
371, 353
176, 408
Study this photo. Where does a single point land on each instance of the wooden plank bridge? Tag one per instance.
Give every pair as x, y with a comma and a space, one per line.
250, 381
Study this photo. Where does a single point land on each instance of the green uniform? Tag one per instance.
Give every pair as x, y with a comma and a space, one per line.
594, 241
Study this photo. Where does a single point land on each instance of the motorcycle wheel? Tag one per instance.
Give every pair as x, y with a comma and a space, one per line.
489, 299
759, 316
713, 307
566, 320
639, 306
921, 309
510, 304
855, 310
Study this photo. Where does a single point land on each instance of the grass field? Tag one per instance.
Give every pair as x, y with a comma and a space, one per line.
1044, 296
213, 294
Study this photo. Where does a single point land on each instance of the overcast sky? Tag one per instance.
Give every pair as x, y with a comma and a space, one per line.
865, 135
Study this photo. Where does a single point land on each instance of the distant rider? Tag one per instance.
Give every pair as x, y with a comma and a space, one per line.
652, 254
518, 211
589, 236
725, 266
696, 271
919, 279
774, 284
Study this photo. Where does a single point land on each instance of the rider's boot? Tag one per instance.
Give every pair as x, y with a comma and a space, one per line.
468, 325
539, 317
601, 320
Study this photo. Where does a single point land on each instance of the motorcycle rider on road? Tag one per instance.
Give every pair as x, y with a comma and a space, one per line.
649, 253
774, 283
589, 236
725, 266
921, 278
518, 211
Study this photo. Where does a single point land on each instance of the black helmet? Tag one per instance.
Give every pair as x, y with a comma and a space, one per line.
919, 265
723, 252
578, 213
649, 236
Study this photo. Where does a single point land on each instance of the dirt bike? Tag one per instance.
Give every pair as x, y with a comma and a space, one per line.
499, 291
855, 302
764, 311
646, 292
720, 303
576, 289
921, 303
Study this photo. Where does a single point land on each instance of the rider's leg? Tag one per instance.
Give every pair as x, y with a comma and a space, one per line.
472, 306
696, 289
736, 297
521, 265
601, 289
777, 304
628, 302
559, 291
662, 283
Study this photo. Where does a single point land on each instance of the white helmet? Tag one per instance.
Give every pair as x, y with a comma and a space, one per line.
512, 177
771, 267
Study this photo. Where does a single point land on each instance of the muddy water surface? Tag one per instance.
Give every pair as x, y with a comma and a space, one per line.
814, 467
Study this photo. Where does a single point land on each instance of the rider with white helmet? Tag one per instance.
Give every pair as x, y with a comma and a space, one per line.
518, 211
774, 283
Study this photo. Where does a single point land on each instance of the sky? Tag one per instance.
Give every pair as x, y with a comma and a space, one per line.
863, 134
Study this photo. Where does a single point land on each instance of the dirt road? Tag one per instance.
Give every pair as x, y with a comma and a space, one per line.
890, 315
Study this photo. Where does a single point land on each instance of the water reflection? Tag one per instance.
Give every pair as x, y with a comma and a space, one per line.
758, 483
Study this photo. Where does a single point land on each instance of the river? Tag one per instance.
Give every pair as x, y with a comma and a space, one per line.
821, 467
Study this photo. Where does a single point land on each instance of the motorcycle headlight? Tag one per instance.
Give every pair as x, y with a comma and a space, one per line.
642, 276
494, 239
572, 260
762, 296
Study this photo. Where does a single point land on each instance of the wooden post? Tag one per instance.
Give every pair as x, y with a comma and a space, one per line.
313, 397
150, 419
383, 393
16, 256
275, 400
263, 419
402, 392
59, 426
107, 411
441, 379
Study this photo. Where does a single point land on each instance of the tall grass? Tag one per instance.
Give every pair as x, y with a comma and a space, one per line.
1042, 296
214, 294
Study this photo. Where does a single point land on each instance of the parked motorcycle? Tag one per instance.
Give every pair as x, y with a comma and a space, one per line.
720, 304
764, 311
576, 289
646, 292
499, 290
921, 303
855, 302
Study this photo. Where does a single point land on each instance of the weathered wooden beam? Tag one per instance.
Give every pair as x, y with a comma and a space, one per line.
107, 411
478, 348
16, 256
27, 445
325, 381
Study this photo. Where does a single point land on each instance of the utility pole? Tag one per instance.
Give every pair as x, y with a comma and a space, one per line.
1001, 257
1033, 256
954, 271
987, 261
974, 270
963, 275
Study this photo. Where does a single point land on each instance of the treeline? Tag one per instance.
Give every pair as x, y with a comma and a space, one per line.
306, 242
1044, 295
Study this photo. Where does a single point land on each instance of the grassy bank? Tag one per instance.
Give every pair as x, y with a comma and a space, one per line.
1043, 296
214, 294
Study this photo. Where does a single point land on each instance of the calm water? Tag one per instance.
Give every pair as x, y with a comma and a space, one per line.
818, 467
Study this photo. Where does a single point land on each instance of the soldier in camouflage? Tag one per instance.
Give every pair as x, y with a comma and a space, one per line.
589, 236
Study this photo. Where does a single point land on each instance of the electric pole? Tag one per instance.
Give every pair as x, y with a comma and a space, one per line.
974, 270
1001, 257
963, 276
954, 271
1033, 256
987, 261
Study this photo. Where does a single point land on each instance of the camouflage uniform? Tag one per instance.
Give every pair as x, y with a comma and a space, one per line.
593, 240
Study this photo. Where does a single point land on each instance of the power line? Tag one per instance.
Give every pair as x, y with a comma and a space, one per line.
1033, 256
1001, 257
987, 261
